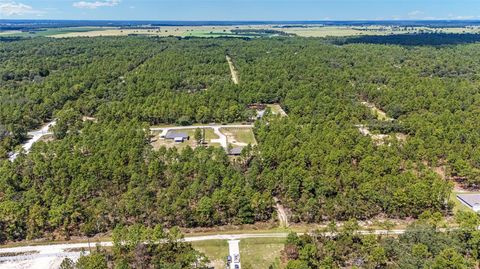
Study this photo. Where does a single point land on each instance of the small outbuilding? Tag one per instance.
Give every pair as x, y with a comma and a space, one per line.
237, 151
178, 139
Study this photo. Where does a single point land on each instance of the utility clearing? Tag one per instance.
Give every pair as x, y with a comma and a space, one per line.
233, 70
282, 215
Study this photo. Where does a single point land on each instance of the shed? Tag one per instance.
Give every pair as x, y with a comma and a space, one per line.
236, 151
178, 139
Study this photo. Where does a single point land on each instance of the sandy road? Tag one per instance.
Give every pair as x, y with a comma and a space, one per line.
233, 70
35, 136
282, 215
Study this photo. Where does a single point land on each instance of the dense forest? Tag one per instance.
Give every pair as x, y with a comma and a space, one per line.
95, 175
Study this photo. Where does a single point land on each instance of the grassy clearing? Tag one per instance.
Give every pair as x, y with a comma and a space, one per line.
277, 109
260, 252
215, 250
254, 252
239, 136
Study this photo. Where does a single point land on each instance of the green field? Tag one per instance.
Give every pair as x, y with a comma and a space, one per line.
215, 250
258, 253
50, 31
239, 135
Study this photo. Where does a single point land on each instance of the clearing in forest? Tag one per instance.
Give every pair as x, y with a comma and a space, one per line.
239, 136
209, 140
214, 135
277, 110
233, 70
381, 115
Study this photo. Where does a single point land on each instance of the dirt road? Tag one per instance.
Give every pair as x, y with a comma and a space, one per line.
35, 136
282, 215
233, 70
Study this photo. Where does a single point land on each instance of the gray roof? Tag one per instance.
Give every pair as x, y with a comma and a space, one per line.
172, 135
470, 199
236, 151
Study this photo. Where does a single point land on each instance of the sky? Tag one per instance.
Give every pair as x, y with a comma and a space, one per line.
241, 10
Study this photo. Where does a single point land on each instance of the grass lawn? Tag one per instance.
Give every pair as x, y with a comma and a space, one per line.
260, 252
215, 250
277, 109
254, 252
240, 135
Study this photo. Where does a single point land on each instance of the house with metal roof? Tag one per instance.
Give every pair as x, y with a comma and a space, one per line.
177, 136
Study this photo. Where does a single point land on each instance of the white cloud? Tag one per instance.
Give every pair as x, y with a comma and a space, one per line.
10, 8
96, 4
461, 17
415, 13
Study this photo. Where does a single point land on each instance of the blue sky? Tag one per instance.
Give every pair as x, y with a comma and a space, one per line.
240, 9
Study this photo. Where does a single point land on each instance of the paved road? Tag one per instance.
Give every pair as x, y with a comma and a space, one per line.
35, 136
222, 140
234, 253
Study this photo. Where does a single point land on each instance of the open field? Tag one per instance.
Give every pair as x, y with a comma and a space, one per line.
324, 31
227, 31
260, 252
183, 31
239, 136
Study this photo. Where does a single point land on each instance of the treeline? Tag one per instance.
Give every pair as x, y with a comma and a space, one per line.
415, 39
138, 246
423, 245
